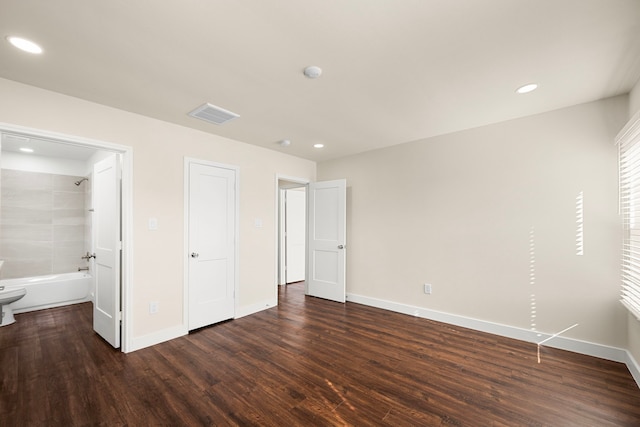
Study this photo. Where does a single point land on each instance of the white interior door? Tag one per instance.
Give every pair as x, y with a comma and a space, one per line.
106, 223
211, 247
295, 237
327, 240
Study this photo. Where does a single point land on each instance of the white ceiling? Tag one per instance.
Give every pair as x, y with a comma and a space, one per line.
393, 70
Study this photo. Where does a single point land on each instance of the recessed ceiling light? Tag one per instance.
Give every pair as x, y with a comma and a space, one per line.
24, 45
527, 88
318, 145
26, 150
312, 72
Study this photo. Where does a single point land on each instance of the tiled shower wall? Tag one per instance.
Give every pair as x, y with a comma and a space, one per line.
42, 223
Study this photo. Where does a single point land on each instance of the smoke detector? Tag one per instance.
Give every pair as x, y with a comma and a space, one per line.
213, 114
312, 72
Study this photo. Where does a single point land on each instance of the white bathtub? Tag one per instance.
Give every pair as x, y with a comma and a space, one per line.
52, 290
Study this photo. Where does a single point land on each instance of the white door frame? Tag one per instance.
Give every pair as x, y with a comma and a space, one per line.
126, 153
281, 249
236, 286
303, 182
285, 233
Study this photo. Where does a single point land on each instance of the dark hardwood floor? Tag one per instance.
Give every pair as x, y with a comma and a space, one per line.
306, 362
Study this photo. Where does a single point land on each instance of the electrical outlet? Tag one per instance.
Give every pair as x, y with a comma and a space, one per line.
427, 288
153, 307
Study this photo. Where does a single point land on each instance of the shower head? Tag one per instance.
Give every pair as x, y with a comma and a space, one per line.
80, 181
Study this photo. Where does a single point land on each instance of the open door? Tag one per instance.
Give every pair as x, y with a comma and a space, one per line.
327, 240
106, 223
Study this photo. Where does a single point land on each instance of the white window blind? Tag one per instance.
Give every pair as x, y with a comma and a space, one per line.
628, 141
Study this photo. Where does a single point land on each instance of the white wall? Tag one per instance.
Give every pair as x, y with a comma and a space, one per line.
634, 100
158, 152
462, 211
633, 324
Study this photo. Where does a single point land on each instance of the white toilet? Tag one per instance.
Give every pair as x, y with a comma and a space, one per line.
7, 296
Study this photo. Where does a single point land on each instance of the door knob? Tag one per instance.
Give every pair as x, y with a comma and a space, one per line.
194, 255
340, 246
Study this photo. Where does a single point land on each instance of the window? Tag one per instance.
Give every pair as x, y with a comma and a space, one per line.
628, 141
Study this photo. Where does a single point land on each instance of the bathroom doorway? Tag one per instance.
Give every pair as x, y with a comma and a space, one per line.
62, 231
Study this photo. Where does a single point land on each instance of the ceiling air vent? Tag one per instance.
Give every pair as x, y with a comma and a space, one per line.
212, 114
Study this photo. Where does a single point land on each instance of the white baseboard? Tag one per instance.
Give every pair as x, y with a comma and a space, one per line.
569, 344
176, 332
157, 338
633, 367
255, 308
